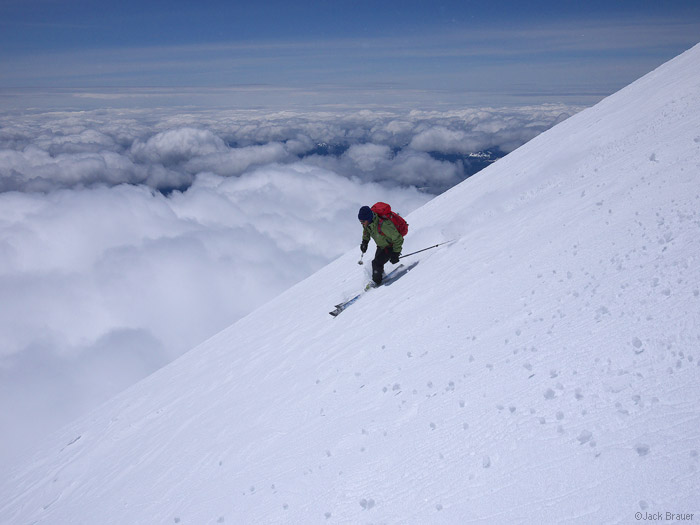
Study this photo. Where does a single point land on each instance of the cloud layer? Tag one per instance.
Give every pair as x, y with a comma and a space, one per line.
127, 237
104, 285
44, 152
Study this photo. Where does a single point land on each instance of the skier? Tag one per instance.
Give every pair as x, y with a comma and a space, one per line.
387, 238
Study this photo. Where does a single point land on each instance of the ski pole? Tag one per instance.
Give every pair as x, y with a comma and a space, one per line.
429, 248
360, 261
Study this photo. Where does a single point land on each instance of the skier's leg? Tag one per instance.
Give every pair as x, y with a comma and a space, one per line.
380, 259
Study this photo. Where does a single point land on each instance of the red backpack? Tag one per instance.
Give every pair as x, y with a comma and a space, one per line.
384, 211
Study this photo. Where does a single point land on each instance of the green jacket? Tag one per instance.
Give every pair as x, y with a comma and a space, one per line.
388, 237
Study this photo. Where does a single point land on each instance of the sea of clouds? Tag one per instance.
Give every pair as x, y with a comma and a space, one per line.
129, 236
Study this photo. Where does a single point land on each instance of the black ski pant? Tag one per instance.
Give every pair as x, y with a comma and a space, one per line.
380, 259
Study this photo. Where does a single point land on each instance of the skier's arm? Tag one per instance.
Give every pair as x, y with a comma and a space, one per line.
365, 235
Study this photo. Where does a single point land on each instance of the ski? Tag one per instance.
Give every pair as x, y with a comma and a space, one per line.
389, 278
342, 306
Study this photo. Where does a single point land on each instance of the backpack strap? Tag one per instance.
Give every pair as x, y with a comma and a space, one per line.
379, 228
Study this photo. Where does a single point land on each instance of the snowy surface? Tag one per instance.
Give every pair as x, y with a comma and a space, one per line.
543, 368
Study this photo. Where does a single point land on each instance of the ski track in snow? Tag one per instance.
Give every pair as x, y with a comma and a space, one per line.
542, 369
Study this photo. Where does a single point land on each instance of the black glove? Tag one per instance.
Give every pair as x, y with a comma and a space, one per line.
394, 257
363, 246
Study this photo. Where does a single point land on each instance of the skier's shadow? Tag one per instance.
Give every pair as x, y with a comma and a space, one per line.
401, 273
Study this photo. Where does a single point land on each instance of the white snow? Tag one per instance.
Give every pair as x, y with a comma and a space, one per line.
543, 368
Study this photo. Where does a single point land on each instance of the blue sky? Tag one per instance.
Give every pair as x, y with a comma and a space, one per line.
545, 48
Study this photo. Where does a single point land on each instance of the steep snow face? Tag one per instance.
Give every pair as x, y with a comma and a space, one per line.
544, 367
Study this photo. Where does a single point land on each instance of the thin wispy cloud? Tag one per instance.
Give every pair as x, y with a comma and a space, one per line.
480, 59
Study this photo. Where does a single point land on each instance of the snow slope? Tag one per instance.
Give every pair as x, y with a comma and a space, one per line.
543, 368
